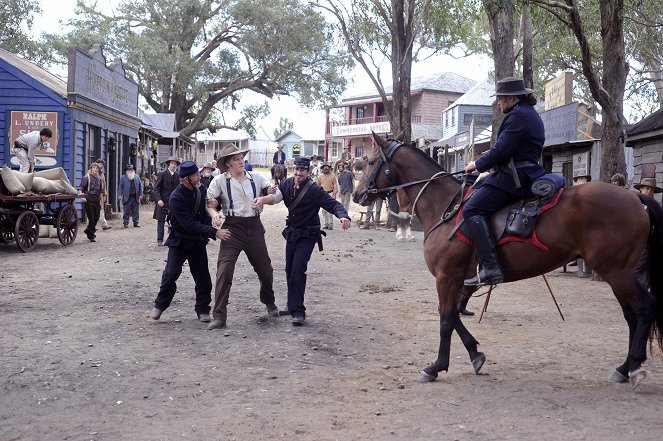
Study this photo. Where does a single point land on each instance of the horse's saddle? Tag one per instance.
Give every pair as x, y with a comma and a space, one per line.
516, 221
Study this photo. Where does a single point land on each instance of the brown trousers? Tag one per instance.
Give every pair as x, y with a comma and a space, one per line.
246, 234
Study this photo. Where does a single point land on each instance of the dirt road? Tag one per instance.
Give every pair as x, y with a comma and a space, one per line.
79, 360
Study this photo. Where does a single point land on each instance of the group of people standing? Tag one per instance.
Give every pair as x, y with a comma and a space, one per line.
229, 209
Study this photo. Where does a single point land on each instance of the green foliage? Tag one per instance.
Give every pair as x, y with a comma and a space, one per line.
198, 57
17, 34
284, 125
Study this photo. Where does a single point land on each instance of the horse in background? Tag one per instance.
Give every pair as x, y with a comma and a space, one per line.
279, 173
605, 225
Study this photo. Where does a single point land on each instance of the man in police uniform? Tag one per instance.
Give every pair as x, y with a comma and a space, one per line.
514, 159
304, 199
190, 231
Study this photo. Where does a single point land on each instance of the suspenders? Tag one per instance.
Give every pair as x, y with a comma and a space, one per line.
231, 211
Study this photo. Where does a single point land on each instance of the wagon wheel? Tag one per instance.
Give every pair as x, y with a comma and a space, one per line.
6, 229
67, 224
27, 231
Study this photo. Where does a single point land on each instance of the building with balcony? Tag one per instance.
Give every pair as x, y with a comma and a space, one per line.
365, 112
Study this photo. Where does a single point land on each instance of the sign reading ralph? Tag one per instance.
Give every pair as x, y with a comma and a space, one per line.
26, 121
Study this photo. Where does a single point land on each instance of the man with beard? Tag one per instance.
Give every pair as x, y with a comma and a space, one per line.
130, 193
167, 180
207, 176
191, 229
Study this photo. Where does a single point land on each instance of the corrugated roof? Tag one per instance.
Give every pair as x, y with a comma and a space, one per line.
444, 82
34, 71
478, 95
651, 123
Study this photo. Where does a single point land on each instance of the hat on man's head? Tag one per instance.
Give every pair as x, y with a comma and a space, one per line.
511, 86
228, 150
173, 158
129, 166
187, 169
100, 161
326, 164
648, 182
302, 161
208, 165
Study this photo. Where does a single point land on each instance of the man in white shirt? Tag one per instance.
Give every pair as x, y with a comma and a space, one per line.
25, 146
234, 189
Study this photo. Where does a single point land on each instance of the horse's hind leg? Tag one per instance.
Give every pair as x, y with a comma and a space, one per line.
638, 306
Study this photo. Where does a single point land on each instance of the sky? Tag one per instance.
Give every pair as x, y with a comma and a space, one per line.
307, 122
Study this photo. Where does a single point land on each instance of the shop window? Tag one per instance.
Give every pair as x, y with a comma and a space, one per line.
567, 172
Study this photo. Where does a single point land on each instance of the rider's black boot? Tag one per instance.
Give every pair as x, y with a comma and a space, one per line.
489, 268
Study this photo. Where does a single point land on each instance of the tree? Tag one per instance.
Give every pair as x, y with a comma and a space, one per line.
284, 125
606, 82
399, 31
15, 17
198, 58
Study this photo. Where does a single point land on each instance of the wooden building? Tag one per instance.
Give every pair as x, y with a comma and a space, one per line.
646, 139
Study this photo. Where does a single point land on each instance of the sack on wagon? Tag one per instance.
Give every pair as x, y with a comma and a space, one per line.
50, 181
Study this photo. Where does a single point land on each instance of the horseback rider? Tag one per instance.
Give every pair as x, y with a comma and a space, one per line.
279, 158
514, 159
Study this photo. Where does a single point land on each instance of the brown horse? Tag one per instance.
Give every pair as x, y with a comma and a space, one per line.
279, 173
604, 224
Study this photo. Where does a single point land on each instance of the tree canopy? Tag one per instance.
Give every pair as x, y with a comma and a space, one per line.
197, 58
17, 34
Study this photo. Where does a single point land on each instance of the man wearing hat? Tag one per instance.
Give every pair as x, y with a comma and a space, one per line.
279, 158
104, 194
514, 160
648, 186
130, 193
167, 180
191, 229
304, 200
206, 177
327, 180
234, 190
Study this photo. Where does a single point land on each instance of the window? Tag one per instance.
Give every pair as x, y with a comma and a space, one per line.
446, 120
453, 119
567, 172
360, 112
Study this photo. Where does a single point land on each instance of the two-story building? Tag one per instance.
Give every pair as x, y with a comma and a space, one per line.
363, 113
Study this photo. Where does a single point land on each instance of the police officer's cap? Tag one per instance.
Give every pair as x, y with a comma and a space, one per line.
187, 169
302, 161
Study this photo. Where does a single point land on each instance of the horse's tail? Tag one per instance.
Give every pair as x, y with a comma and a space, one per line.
655, 258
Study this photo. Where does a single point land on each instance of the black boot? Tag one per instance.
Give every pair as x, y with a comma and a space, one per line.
462, 306
489, 269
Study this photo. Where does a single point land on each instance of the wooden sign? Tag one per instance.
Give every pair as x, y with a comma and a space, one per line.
559, 92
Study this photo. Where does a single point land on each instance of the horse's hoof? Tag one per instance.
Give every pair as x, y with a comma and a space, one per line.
478, 362
636, 377
425, 377
617, 377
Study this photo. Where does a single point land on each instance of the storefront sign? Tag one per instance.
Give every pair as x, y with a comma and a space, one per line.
581, 164
361, 129
296, 149
89, 76
561, 124
559, 92
25, 121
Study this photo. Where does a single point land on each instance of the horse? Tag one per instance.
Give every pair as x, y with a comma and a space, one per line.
602, 223
279, 173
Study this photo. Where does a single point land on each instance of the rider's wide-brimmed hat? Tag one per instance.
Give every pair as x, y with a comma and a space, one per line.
648, 182
228, 150
173, 158
511, 86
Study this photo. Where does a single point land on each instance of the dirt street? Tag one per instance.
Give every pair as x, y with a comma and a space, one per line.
80, 360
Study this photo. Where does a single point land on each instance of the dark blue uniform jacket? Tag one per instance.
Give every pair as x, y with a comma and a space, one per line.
521, 137
305, 215
189, 230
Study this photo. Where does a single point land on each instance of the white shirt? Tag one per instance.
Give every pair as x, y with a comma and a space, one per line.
242, 192
31, 140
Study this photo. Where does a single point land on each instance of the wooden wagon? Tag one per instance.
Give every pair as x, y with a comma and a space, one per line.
22, 215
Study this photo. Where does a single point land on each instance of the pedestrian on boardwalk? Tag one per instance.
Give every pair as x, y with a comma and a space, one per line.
91, 186
167, 180
191, 229
304, 199
130, 193
236, 188
327, 180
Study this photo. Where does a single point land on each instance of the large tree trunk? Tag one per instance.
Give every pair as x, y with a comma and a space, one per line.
501, 25
401, 68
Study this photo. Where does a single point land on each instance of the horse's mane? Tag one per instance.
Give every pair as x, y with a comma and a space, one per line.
423, 155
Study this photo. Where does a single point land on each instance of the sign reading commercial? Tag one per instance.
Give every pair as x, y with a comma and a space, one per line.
26, 121
361, 129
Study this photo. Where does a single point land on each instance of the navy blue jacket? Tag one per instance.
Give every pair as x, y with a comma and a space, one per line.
189, 231
305, 215
279, 157
521, 137
125, 188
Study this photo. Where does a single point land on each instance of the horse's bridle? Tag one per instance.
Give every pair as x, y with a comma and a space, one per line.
385, 158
